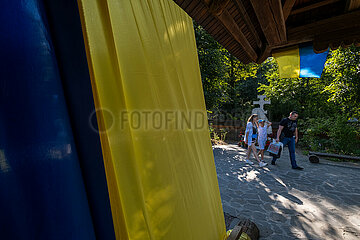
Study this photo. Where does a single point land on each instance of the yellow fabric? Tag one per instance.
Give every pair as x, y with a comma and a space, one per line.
289, 62
162, 182
244, 236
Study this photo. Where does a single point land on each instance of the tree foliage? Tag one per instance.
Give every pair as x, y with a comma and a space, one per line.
336, 92
230, 87
230, 84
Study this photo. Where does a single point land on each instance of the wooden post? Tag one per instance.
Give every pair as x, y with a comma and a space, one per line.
246, 229
314, 155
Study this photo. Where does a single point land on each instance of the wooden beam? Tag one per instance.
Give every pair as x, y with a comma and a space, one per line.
265, 54
335, 156
230, 24
271, 19
313, 6
278, 15
309, 31
357, 43
288, 5
218, 6
342, 37
263, 13
333, 32
245, 16
218, 9
352, 5
207, 2
289, 44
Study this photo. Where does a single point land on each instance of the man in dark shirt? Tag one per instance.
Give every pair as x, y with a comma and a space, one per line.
288, 126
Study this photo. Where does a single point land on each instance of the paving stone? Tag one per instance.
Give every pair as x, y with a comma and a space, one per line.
286, 211
278, 237
268, 207
277, 217
255, 201
252, 196
265, 230
236, 205
320, 202
276, 229
259, 215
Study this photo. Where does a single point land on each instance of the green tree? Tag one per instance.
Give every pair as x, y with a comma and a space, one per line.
342, 77
229, 85
336, 92
213, 68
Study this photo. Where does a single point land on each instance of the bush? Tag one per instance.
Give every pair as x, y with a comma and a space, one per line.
331, 134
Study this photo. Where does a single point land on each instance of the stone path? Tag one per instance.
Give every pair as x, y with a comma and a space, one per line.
320, 202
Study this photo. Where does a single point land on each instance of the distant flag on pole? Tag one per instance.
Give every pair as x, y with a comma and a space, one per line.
300, 61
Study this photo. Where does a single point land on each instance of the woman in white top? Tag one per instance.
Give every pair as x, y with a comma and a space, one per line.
262, 137
250, 139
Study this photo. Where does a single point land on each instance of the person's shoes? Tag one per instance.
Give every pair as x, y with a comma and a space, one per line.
262, 164
249, 162
298, 168
273, 163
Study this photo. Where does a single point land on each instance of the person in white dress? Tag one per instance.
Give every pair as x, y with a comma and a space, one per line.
250, 139
262, 136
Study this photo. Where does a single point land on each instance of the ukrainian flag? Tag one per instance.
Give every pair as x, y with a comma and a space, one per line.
300, 61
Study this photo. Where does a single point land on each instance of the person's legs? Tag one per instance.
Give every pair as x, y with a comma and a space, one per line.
248, 155
273, 160
291, 147
248, 152
254, 152
261, 152
284, 142
262, 147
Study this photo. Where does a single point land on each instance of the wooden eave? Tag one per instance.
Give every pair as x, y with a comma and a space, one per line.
252, 29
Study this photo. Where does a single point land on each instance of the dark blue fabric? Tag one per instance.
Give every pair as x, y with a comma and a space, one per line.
66, 34
291, 145
42, 194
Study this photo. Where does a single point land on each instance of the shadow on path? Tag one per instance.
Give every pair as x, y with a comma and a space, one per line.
321, 202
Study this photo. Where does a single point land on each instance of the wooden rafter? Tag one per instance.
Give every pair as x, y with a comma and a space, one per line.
235, 31
218, 9
352, 5
218, 6
340, 30
278, 15
271, 19
248, 22
342, 37
230, 22
264, 55
312, 6
309, 31
288, 5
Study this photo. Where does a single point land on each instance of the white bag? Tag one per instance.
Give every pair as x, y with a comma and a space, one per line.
275, 147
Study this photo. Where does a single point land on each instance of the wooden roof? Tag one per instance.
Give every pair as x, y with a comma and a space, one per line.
252, 29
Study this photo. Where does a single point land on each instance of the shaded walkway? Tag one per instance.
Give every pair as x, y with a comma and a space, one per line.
321, 202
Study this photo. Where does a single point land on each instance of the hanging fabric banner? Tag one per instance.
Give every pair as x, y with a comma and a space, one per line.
300, 61
153, 123
67, 37
42, 194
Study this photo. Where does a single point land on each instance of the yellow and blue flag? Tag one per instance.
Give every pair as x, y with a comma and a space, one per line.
300, 61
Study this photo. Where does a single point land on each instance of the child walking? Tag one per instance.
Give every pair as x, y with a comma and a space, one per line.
262, 137
250, 139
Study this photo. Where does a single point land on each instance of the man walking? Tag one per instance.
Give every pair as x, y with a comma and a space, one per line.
288, 126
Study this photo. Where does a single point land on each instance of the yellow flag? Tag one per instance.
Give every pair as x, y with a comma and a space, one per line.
151, 112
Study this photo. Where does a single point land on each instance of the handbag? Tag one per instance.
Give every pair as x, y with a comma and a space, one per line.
275, 149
